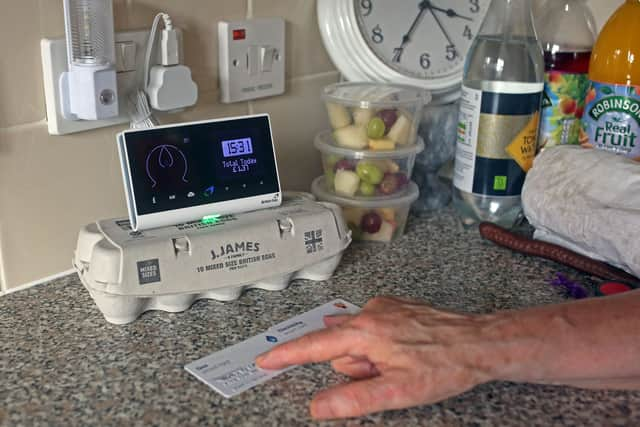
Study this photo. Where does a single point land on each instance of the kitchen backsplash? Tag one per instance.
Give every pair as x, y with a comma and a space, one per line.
50, 186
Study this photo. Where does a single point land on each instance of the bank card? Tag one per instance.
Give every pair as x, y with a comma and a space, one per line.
233, 370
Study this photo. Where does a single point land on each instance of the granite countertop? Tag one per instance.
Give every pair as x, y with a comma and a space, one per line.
62, 364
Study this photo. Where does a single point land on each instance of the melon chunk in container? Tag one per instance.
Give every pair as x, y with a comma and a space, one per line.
381, 219
374, 116
366, 173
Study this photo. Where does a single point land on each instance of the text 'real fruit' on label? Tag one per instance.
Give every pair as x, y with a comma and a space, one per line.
612, 119
497, 140
563, 105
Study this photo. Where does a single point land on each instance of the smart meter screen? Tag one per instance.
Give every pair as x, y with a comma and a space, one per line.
198, 164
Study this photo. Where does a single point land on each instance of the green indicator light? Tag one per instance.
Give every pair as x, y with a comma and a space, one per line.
210, 219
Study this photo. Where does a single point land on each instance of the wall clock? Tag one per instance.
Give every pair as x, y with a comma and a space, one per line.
418, 42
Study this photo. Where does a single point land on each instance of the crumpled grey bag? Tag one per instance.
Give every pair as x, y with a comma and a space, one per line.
587, 201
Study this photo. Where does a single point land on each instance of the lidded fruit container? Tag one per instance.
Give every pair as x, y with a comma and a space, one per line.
366, 173
381, 219
374, 116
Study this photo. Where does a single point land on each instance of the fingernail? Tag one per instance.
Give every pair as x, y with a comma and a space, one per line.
320, 408
262, 358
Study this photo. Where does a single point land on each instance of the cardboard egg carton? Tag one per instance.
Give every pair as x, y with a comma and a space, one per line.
128, 272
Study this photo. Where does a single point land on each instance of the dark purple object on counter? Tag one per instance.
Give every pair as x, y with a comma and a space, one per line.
572, 289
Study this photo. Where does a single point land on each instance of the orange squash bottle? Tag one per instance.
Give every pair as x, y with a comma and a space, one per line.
612, 112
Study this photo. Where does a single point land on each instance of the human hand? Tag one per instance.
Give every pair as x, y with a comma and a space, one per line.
401, 353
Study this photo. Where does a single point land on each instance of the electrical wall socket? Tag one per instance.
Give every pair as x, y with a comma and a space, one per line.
251, 58
130, 52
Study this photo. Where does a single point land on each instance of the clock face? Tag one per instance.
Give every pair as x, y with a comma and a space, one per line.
421, 39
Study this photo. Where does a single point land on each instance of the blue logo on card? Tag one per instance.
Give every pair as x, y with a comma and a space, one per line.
272, 338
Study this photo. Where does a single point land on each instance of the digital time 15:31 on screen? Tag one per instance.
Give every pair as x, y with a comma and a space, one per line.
237, 147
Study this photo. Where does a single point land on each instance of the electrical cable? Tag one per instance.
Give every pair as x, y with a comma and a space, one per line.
139, 110
152, 41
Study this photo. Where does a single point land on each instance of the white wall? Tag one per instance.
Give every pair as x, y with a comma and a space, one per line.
51, 186
602, 9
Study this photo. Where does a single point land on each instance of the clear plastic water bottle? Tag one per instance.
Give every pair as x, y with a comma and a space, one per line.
499, 115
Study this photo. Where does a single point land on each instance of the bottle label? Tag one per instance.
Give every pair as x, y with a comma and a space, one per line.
497, 138
612, 119
562, 109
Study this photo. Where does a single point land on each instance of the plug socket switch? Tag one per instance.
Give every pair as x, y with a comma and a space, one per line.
268, 55
125, 56
251, 59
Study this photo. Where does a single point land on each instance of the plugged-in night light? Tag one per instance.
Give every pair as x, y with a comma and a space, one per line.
89, 89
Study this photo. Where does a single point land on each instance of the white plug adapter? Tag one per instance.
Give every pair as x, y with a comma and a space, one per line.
171, 88
169, 47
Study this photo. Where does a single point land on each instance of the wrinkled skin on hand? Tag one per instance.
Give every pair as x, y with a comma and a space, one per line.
400, 353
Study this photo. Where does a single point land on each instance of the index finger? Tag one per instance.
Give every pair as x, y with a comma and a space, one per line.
319, 346
331, 321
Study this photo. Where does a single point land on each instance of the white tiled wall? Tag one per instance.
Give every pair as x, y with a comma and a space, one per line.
51, 186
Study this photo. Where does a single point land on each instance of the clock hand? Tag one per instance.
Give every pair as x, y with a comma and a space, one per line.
444, 31
450, 13
397, 52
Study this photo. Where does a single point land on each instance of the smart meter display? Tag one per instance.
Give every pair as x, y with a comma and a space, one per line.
202, 163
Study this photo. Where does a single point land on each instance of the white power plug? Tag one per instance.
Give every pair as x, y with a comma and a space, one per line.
169, 47
171, 88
